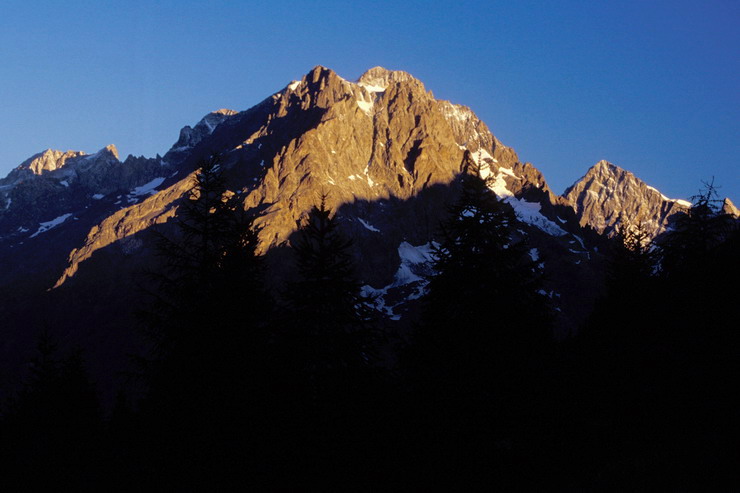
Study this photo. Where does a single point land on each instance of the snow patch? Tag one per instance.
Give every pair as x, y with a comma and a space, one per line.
64, 183
293, 85
498, 184
46, 226
98, 196
509, 171
529, 212
367, 175
416, 254
415, 263
147, 188
483, 155
535, 254
681, 202
365, 106
373, 88
369, 226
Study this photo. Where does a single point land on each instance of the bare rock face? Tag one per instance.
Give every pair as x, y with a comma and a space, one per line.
383, 152
608, 196
364, 145
192, 136
729, 208
125, 223
48, 160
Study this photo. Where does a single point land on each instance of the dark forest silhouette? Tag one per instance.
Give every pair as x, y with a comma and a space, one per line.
290, 390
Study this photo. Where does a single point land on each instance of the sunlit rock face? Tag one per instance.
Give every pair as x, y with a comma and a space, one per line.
729, 208
382, 151
608, 196
367, 146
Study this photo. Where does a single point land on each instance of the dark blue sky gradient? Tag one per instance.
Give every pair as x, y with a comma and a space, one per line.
650, 86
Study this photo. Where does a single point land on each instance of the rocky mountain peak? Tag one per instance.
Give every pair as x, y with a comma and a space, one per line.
48, 160
192, 136
109, 152
379, 77
608, 196
113, 150
729, 208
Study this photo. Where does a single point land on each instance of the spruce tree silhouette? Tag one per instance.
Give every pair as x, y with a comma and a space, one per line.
486, 285
633, 260
696, 232
331, 334
327, 345
482, 334
659, 356
51, 430
208, 325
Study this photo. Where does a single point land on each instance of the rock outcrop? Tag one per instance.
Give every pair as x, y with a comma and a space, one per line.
382, 151
608, 196
367, 146
49, 160
729, 208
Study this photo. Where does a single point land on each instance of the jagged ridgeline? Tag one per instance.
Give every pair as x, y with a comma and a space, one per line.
383, 152
354, 283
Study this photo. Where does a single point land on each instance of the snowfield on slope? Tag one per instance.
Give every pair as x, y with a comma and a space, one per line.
415, 265
46, 226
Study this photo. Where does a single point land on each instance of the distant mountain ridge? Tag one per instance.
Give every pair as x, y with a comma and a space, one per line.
608, 196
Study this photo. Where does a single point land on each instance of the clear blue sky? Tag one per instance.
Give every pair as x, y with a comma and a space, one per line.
649, 85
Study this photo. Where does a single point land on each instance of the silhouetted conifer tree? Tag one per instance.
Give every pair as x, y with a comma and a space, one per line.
659, 355
696, 232
51, 430
474, 358
330, 330
209, 329
484, 300
327, 345
632, 260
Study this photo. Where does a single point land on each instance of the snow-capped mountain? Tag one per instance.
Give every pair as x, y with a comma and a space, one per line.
383, 151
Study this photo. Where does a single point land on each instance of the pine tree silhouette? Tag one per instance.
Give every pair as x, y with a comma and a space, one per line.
485, 284
695, 233
209, 327
474, 357
51, 431
327, 349
330, 328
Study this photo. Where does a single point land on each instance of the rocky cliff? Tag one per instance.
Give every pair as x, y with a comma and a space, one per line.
383, 151
608, 196
366, 145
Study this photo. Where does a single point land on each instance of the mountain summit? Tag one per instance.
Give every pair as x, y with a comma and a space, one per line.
608, 196
383, 152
